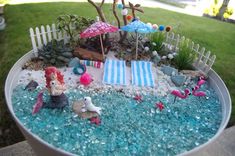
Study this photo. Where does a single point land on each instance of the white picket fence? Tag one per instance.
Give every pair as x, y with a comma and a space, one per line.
204, 60
41, 36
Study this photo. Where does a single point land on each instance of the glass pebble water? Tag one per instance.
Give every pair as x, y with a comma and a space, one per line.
127, 127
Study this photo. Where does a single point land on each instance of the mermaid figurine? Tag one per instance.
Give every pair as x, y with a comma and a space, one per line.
56, 87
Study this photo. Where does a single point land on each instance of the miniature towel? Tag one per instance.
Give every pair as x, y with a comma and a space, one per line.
114, 72
141, 72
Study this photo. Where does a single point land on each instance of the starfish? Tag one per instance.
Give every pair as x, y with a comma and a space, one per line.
95, 120
160, 106
138, 98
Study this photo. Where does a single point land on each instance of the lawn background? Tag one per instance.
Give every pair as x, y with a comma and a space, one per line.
216, 36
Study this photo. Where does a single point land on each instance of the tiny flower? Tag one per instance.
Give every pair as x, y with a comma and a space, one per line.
170, 56
154, 44
146, 48
155, 53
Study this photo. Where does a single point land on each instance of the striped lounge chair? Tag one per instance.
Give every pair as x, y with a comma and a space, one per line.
141, 72
115, 72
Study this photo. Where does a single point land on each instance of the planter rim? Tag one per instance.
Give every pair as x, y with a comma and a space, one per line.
7, 92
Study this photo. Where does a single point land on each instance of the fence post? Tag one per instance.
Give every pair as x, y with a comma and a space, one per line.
206, 58
38, 35
44, 38
32, 36
200, 54
212, 60
49, 33
54, 31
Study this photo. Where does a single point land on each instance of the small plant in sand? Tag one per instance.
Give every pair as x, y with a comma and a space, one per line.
185, 57
157, 40
73, 25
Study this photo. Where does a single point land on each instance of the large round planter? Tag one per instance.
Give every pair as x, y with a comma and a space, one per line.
41, 147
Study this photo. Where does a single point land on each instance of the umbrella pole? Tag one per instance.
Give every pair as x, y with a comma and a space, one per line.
136, 49
102, 48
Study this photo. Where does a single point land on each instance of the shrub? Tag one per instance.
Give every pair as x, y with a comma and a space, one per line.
73, 25
185, 57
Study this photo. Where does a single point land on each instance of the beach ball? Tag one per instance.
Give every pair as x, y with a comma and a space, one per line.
155, 26
129, 17
168, 28
120, 6
124, 12
161, 28
86, 79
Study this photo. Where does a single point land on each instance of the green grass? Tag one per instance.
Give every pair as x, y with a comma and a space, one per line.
216, 36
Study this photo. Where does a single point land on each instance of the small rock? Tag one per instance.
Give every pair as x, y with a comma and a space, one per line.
178, 80
168, 70
74, 62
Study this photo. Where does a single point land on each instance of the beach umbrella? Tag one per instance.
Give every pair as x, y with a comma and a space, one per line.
138, 27
98, 28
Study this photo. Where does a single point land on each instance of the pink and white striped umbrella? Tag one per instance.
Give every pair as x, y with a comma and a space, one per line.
98, 28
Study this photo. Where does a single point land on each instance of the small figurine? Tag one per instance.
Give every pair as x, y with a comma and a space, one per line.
138, 98
198, 93
95, 120
177, 93
37, 106
85, 79
31, 86
159, 105
89, 106
56, 87
201, 81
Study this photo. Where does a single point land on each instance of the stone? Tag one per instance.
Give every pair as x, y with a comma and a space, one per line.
87, 54
178, 80
193, 73
77, 108
74, 62
169, 70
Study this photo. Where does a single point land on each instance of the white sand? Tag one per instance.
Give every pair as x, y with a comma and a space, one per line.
162, 87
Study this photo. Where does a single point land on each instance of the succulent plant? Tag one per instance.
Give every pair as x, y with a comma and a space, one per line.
56, 53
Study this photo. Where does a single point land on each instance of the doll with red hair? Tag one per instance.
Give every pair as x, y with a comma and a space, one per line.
56, 87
